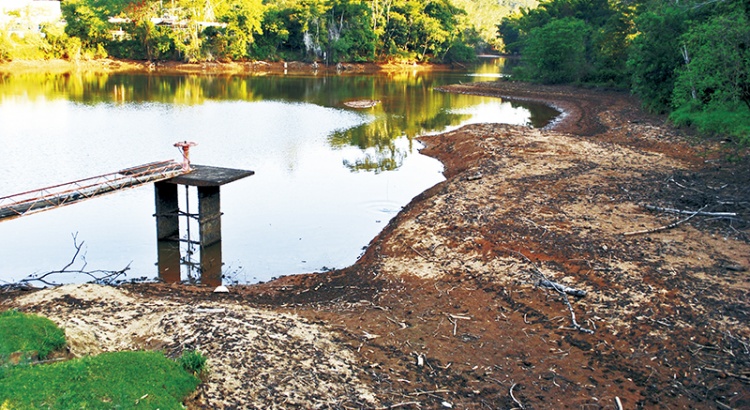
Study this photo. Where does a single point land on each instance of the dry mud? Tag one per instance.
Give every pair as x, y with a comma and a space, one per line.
444, 309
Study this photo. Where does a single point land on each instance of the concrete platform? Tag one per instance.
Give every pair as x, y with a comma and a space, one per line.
208, 176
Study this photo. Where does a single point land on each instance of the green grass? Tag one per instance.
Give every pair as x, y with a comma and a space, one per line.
31, 335
118, 380
194, 362
108, 381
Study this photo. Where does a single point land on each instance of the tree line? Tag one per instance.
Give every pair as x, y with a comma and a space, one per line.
328, 31
688, 58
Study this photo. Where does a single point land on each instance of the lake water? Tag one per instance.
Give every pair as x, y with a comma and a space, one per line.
328, 178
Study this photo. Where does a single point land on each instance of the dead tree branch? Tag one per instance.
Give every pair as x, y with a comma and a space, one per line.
686, 212
559, 289
665, 227
99, 276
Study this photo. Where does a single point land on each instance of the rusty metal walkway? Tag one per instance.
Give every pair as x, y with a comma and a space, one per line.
55, 196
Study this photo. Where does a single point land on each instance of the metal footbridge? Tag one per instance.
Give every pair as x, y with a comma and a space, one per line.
55, 196
166, 177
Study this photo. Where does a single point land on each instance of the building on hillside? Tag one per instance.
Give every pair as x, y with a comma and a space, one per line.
19, 17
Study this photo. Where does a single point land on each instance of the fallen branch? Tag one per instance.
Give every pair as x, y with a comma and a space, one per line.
102, 277
561, 288
665, 227
685, 212
543, 278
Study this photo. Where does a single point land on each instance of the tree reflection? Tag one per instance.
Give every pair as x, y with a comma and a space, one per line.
409, 106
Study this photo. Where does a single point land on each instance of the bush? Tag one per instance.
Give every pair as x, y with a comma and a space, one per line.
460, 53
719, 120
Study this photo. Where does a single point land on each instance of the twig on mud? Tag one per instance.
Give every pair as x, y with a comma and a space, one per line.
665, 227
98, 276
685, 212
419, 393
515, 400
561, 288
729, 374
402, 404
558, 289
420, 254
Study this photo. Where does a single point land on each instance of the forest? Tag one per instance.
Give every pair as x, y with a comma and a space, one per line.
686, 58
328, 31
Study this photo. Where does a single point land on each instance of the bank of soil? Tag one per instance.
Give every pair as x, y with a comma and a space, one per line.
444, 309
109, 66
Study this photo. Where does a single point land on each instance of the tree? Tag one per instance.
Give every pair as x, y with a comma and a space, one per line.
556, 52
654, 56
718, 69
350, 33
85, 20
243, 19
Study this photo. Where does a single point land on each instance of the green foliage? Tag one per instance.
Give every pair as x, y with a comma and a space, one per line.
509, 31
718, 119
459, 52
691, 56
110, 380
85, 20
243, 20
313, 30
655, 56
28, 334
194, 362
596, 54
483, 16
717, 71
350, 33
556, 52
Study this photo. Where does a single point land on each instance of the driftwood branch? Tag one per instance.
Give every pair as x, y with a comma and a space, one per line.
559, 289
665, 227
99, 276
729, 374
686, 212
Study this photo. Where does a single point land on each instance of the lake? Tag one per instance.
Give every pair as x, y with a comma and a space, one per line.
328, 177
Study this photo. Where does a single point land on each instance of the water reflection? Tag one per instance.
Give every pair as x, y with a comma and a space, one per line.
328, 177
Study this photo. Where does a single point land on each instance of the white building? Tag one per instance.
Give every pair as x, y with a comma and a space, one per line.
22, 16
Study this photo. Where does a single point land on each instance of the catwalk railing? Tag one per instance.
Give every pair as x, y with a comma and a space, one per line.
56, 196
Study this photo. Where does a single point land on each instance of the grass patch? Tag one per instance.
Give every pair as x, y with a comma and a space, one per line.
27, 334
107, 381
194, 362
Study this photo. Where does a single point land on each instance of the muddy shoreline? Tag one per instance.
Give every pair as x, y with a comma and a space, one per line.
444, 309
110, 66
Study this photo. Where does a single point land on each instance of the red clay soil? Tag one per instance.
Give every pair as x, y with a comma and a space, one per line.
445, 308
